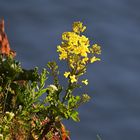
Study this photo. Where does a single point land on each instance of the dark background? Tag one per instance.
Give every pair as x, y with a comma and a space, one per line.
34, 28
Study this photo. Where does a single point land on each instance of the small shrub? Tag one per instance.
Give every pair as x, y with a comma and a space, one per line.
24, 115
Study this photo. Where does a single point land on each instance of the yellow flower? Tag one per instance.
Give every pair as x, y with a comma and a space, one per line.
83, 51
96, 49
94, 59
66, 74
73, 79
84, 60
78, 27
63, 55
85, 81
59, 49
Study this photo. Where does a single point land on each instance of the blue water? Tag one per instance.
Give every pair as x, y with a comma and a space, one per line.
34, 29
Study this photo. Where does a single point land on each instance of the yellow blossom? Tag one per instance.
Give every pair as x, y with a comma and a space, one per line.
63, 55
85, 81
84, 60
83, 51
59, 49
96, 49
78, 27
66, 74
73, 79
93, 59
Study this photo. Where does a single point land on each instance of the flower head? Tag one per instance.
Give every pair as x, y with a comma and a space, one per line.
52, 88
73, 79
78, 27
66, 74
96, 49
76, 50
85, 81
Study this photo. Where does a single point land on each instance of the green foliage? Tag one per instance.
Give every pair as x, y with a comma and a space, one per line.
21, 100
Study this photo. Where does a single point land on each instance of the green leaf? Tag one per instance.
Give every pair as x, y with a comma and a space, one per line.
40, 92
75, 116
43, 78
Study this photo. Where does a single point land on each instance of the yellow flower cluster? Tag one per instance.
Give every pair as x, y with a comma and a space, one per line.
75, 49
73, 45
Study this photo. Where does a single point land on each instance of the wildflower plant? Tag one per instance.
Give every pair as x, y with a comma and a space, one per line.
24, 114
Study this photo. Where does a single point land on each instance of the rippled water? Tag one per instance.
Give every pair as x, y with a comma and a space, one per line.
34, 29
